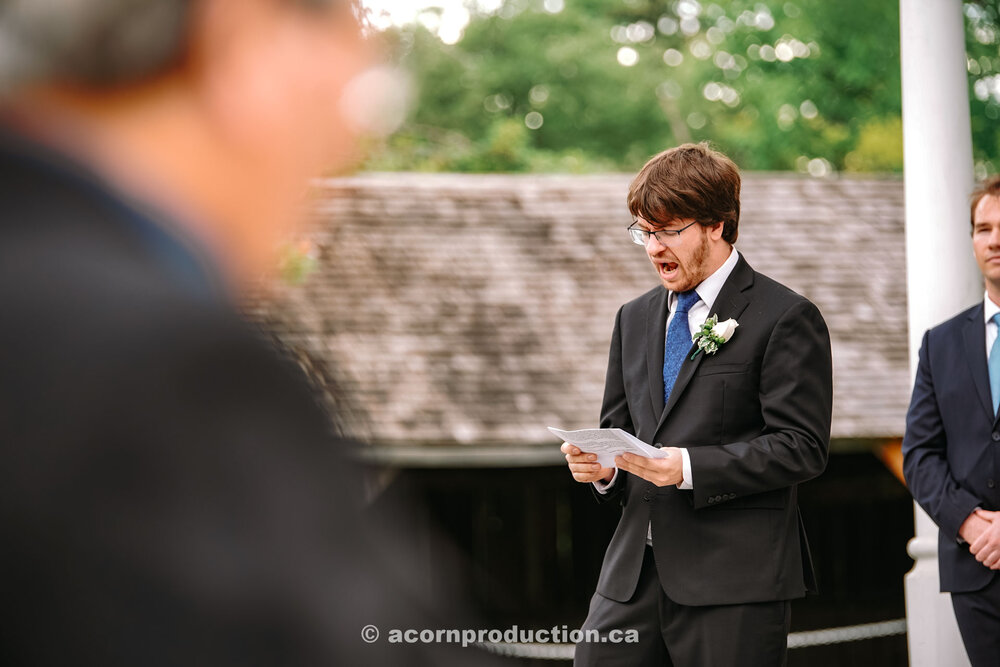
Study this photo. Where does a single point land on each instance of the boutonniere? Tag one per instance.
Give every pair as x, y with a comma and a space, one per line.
713, 334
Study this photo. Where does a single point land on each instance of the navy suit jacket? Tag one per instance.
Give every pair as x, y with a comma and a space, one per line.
949, 449
755, 418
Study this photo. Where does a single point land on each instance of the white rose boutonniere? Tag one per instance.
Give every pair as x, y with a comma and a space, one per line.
713, 334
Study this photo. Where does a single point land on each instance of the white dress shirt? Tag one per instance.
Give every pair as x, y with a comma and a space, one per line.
708, 292
989, 310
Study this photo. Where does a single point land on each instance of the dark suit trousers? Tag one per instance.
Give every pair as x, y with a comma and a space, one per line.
739, 635
978, 616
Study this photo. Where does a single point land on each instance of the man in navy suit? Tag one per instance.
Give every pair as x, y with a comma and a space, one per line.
710, 547
952, 436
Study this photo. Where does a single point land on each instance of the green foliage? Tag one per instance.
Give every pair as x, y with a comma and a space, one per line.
504, 149
604, 84
296, 262
982, 28
879, 146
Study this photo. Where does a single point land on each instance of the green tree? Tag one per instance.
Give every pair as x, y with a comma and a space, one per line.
983, 64
595, 85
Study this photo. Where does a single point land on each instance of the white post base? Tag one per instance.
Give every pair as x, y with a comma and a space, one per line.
931, 631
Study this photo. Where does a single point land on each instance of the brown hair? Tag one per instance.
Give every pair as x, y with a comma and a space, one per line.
989, 187
689, 181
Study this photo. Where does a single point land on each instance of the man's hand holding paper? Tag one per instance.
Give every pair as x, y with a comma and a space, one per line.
663, 470
584, 466
592, 455
608, 443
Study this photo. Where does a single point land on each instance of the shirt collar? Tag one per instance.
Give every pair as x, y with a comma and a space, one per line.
989, 308
708, 290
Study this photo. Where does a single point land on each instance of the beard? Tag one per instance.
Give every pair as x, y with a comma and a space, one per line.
696, 269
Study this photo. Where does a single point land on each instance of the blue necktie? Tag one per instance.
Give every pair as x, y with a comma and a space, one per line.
995, 367
679, 342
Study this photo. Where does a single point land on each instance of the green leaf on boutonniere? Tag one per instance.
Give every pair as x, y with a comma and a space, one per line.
712, 334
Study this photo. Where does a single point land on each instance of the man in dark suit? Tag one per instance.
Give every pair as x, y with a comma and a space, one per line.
710, 548
950, 455
170, 492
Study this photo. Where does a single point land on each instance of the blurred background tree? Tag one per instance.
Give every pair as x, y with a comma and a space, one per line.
601, 85
982, 35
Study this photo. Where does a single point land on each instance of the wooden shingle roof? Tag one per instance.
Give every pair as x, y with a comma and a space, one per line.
476, 310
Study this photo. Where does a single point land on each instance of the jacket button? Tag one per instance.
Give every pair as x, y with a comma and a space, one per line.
647, 497
990, 483
996, 437
711, 499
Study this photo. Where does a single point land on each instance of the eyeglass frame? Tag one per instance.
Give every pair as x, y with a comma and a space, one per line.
670, 233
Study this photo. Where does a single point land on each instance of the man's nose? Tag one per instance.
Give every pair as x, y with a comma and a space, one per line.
653, 244
995, 236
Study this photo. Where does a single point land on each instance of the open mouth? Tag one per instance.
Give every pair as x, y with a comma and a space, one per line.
667, 268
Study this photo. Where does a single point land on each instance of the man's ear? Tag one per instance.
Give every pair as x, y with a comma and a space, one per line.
715, 231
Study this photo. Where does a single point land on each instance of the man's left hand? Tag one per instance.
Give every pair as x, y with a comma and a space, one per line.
986, 547
661, 472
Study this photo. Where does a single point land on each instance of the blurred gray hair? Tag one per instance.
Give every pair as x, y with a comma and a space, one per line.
93, 42
89, 42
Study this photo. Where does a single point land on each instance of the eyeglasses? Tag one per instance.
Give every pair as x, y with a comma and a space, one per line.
641, 236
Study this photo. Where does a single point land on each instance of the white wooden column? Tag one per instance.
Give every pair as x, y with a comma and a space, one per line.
941, 273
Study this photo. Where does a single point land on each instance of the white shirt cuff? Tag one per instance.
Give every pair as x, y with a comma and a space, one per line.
687, 483
960, 539
602, 487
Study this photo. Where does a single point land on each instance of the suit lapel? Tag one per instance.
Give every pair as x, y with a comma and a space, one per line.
656, 336
730, 303
975, 354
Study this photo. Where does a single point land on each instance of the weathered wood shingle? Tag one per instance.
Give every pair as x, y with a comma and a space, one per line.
466, 309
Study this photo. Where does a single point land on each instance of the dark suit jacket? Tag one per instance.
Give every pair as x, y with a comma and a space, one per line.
755, 418
170, 493
951, 441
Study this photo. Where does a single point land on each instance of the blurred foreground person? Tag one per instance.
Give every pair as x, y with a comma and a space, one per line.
169, 491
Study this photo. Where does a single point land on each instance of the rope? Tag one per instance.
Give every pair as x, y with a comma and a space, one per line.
850, 633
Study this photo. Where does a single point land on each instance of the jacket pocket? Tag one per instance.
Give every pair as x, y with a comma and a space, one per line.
718, 369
